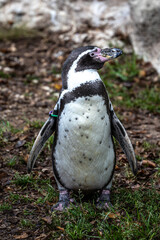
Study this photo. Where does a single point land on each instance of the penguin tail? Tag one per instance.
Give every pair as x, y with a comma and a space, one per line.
45, 132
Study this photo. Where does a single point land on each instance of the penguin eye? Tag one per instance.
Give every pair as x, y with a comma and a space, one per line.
92, 54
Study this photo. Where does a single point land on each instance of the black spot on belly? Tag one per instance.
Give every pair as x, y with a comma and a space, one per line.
69, 120
80, 162
90, 159
76, 118
109, 146
65, 136
106, 168
89, 109
66, 130
98, 110
87, 116
100, 142
102, 118
59, 143
79, 127
81, 135
87, 137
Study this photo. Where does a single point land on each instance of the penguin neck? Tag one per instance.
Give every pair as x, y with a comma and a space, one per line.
76, 78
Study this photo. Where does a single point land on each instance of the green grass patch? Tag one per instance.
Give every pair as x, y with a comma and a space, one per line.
148, 146
16, 198
23, 180
147, 99
124, 68
4, 75
30, 78
15, 33
12, 162
136, 215
40, 185
6, 127
37, 124
5, 207
25, 223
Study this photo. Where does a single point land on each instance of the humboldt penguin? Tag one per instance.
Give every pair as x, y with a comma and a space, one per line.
84, 123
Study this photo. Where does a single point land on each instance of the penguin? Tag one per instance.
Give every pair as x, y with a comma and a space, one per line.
84, 123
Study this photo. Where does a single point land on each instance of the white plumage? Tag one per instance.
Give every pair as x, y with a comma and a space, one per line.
84, 151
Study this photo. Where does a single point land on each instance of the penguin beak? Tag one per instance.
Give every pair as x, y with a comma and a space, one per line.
111, 53
106, 54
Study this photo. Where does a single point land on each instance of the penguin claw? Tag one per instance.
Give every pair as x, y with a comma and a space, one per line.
60, 206
104, 200
104, 205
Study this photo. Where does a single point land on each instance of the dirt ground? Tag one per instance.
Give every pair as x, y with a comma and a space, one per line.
27, 93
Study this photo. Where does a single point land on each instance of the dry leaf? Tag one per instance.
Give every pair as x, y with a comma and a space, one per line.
113, 215
149, 163
142, 73
22, 236
25, 157
137, 186
25, 128
62, 229
42, 236
47, 219
58, 86
116, 167
136, 79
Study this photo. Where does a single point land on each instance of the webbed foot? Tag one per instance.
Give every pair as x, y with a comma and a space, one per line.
103, 202
64, 201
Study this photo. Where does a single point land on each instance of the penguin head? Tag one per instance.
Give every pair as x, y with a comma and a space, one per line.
88, 57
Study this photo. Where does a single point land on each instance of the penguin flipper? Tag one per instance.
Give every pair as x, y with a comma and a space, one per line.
45, 132
119, 132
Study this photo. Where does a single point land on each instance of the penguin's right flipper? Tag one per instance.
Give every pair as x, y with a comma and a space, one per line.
45, 132
119, 132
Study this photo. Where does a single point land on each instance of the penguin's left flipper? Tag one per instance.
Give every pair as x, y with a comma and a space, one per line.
120, 134
45, 132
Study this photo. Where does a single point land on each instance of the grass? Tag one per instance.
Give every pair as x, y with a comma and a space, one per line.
15, 33
136, 215
5, 207
4, 75
25, 223
12, 162
35, 124
126, 69
148, 146
31, 78
6, 127
23, 180
30, 182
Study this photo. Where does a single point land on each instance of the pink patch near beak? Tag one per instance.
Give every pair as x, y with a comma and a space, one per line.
98, 55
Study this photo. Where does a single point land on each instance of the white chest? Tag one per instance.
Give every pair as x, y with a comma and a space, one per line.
84, 151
